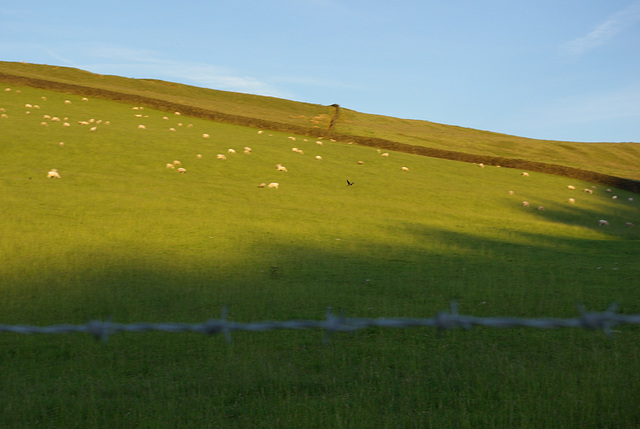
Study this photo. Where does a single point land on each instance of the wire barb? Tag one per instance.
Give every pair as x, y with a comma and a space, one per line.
99, 329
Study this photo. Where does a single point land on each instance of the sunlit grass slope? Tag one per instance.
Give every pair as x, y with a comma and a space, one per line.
121, 235
617, 159
268, 108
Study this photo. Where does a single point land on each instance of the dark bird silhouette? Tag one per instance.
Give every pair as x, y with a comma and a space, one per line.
349, 183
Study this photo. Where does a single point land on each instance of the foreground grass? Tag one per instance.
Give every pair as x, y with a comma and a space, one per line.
121, 236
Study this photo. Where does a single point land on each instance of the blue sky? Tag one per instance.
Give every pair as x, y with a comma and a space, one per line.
548, 69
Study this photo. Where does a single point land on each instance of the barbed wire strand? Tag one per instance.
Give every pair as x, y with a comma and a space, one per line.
332, 323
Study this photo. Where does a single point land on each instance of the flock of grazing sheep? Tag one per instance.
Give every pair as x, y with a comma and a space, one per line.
93, 124
588, 191
176, 165
571, 200
247, 151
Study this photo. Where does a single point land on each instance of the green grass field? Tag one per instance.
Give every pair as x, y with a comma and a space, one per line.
122, 236
617, 159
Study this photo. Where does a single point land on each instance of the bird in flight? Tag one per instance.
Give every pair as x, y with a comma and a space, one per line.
349, 183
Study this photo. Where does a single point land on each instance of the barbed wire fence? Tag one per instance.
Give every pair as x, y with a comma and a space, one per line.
332, 323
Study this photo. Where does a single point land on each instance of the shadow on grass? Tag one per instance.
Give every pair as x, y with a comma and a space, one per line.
524, 274
575, 214
383, 376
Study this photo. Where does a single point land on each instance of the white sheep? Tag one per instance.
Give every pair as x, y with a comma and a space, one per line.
571, 188
247, 151
385, 154
53, 174
260, 132
318, 157
525, 174
405, 168
142, 127
67, 101
603, 222
525, 204
262, 185
540, 208
231, 151
177, 163
588, 191
182, 170
319, 143
273, 185
206, 136
572, 200
199, 156
221, 156
628, 224
481, 165
170, 166
281, 167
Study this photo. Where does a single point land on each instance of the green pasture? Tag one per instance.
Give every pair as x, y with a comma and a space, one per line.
122, 236
619, 159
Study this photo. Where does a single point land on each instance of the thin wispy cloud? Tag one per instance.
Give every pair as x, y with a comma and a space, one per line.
603, 32
310, 81
145, 63
62, 60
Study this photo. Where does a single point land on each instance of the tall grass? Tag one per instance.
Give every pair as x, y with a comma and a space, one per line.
122, 236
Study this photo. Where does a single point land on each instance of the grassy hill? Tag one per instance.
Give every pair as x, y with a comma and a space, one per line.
121, 235
615, 159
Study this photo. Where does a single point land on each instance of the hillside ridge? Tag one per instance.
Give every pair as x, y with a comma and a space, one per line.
333, 114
